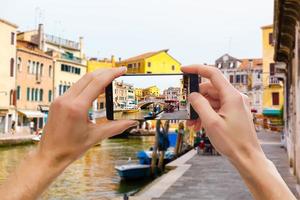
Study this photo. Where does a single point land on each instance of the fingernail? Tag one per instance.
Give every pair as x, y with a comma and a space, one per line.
192, 96
123, 69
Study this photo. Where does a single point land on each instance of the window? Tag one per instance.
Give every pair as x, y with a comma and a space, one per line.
275, 98
238, 78
60, 90
50, 71
258, 75
32, 68
245, 79
28, 94
18, 92
101, 105
37, 69
41, 69
231, 78
12, 38
41, 94
173, 67
32, 94
36, 95
19, 64
231, 65
272, 69
49, 96
219, 65
271, 39
149, 64
12, 63
28, 66
12, 97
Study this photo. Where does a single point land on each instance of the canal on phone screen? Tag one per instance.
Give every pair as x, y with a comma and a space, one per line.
91, 177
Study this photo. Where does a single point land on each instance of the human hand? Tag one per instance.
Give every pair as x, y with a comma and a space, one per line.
68, 132
224, 113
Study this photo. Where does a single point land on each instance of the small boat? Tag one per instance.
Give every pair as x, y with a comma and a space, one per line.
133, 171
145, 157
36, 139
132, 110
151, 115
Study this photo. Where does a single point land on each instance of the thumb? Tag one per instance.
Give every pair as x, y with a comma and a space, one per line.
203, 108
109, 128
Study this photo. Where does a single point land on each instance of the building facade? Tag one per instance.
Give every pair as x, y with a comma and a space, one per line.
8, 75
123, 94
34, 85
152, 91
151, 62
273, 99
172, 93
69, 61
287, 52
246, 76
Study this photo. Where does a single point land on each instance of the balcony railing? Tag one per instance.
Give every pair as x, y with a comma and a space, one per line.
62, 42
70, 58
273, 80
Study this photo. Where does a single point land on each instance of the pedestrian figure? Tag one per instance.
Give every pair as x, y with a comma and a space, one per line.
13, 127
31, 125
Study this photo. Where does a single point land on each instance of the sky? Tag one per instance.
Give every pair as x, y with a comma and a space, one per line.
162, 82
195, 31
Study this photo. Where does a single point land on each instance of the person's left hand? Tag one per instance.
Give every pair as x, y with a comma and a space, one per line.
69, 132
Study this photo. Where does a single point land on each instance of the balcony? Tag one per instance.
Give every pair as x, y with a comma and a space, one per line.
274, 80
70, 57
62, 42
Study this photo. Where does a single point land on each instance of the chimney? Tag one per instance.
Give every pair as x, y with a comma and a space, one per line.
113, 61
41, 37
81, 46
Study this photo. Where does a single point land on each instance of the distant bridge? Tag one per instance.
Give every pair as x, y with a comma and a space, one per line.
145, 104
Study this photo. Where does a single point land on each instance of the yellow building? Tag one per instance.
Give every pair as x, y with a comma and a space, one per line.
138, 93
94, 64
273, 99
151, 91
7, 74
151, 62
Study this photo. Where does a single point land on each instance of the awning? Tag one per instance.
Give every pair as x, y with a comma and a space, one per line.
272, 112
32, 113
44, 108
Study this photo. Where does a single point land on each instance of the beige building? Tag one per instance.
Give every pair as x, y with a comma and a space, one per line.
245, 75
34, 86
124, 96
287, 51
69, 62
7, 74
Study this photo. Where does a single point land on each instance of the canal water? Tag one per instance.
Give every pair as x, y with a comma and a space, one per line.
91, 177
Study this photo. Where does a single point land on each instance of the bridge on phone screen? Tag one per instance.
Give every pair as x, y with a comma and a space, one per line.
145, 104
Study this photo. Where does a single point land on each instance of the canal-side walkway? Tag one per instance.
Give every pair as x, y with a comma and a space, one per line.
213, 177
16, 139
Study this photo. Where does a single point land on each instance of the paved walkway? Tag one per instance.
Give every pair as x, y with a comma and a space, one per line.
213, 177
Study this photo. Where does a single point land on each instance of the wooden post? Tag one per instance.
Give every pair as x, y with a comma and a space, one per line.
155, 147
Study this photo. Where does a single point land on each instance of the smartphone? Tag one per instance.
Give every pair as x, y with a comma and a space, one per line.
151, 96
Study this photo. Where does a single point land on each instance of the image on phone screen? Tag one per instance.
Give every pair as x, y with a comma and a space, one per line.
151, 96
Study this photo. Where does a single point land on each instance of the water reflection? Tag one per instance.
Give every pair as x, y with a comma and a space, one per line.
91, 177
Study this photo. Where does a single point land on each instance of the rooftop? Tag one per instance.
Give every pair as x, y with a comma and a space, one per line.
144, 56
8, 23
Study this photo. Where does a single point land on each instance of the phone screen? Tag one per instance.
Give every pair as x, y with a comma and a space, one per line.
150, 96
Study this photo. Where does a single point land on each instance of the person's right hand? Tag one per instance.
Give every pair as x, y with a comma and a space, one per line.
224, 113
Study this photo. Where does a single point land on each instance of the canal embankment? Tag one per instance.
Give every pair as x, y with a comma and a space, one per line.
213, 177
7, 140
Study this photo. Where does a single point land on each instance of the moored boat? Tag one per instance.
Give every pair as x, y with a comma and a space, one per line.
133, 171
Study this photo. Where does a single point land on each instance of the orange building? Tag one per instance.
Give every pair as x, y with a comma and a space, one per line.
34, 84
